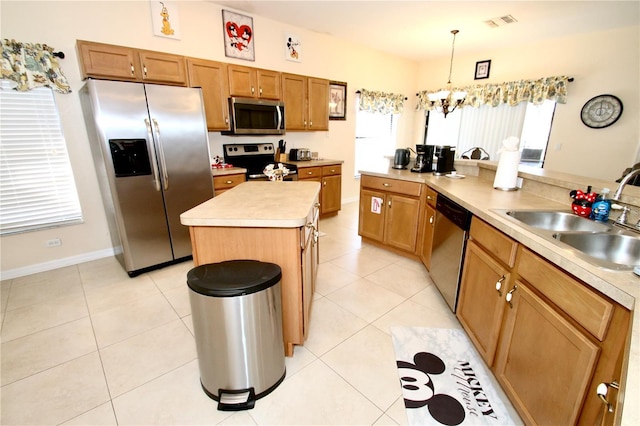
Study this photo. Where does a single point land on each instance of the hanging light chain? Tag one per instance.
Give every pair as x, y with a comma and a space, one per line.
453, 45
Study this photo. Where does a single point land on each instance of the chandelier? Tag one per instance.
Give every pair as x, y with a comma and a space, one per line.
447, 101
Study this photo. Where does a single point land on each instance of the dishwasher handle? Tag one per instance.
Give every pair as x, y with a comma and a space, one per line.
457, 214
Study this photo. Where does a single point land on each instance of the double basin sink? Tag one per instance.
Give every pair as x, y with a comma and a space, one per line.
601, 243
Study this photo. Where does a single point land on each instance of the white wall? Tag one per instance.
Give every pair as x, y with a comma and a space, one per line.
605, 62
128, 23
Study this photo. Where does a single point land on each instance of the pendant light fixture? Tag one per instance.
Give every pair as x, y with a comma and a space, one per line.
446, 101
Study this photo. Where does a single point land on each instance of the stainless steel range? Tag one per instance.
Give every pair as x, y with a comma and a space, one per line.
255, 157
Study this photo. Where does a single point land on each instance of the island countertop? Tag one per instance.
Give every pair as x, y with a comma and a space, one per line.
257, 205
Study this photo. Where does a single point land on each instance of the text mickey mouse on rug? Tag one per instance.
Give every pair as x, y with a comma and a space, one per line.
446, 382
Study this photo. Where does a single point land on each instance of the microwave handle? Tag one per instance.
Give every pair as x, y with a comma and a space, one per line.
279, 124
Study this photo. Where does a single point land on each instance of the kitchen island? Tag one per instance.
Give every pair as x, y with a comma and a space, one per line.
547, 190
273, 222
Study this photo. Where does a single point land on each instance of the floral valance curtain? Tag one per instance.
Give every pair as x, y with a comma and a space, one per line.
511, 93
32, 65
380, 102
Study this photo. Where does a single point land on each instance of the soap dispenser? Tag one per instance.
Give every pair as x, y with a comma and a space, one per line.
601, 208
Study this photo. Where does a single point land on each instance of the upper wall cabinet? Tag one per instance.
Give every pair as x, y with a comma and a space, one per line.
250, 82
111, 62
306, 101
211, 76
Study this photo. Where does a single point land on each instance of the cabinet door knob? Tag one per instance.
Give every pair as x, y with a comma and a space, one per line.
309, 173
510, 296
133, 70
499, 285
144, 70
431, 219
387, 185
253, 90
228, 182
603, 389
324, 183
389, 203
261, 90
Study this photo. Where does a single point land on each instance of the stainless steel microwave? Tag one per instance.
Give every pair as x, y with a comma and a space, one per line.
256, 117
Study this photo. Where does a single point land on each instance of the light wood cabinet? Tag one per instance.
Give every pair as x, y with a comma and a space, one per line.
106, 61
428, 222
226, 182
545, 334
389, 212
331, 192
545, 364
330, 178
306, 101
211, 76
248, 82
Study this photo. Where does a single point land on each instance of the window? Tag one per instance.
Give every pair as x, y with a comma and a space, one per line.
375, 139
487, 127
37, 189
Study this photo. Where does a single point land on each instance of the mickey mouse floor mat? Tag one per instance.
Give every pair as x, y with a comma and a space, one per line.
445, 382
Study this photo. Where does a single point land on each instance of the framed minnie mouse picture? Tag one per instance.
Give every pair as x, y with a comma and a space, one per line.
238, 36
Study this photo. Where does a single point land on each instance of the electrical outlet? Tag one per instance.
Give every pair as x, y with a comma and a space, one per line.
55, 242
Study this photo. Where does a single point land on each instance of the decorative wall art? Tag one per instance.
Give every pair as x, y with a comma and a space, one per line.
238, 36
165, 19
482, 69
293, 48
337, 100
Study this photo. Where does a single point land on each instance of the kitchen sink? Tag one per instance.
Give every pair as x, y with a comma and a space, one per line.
557, 221
603, 244
612, 251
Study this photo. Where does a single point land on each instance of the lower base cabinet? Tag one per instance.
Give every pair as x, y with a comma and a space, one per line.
390, 212
549, 338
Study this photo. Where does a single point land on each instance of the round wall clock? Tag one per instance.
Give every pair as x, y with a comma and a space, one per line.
601, 111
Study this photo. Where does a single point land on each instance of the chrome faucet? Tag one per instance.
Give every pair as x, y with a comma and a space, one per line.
623, 183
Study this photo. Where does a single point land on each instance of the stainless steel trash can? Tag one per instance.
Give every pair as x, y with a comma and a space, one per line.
236, 309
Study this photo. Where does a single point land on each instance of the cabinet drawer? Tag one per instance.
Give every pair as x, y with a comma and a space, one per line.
309, 172
391, 185
589, 309
227, 181
497, 243
432, 196
332, 170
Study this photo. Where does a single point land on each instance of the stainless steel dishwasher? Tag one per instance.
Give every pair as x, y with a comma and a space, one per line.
449, 242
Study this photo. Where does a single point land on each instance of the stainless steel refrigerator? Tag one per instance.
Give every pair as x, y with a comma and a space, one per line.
151, 152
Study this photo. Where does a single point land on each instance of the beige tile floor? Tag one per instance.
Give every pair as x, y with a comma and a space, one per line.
86, 344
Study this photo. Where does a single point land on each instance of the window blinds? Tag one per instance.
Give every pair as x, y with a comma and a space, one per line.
37, 189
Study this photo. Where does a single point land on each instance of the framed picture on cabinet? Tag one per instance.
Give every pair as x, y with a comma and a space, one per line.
292, 48
337, 100
482, 69
238, 36
165, 19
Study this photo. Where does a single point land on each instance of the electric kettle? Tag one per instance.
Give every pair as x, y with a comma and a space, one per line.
402, 158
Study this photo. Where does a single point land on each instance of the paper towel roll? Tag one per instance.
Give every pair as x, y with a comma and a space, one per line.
507, 172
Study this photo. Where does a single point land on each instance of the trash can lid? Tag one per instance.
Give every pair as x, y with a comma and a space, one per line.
233, 277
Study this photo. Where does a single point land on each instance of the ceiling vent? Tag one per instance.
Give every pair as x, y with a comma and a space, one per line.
501, 21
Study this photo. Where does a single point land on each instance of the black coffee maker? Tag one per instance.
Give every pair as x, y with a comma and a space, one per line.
424, 159
444, 156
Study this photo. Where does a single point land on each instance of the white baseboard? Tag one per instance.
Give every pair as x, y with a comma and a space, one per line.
350, 200
55, 264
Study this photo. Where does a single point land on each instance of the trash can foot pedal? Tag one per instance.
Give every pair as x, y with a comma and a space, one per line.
236, 399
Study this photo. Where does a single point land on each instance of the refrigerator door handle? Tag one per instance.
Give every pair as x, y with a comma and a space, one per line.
154, 162
163, 161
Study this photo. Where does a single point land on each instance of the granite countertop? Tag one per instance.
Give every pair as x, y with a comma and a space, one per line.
257, 204
479, 197
228, 171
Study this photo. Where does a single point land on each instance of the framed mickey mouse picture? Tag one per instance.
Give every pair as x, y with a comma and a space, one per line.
238, 36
